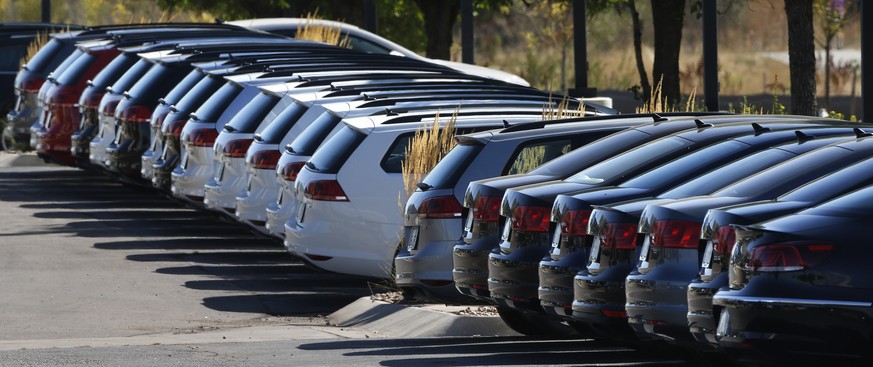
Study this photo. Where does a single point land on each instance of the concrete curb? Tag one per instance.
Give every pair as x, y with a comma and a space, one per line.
20, 160
413, 321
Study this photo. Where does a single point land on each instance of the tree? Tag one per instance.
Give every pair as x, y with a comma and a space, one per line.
439, 18
801, 56
832, 15
667, 18
638, 50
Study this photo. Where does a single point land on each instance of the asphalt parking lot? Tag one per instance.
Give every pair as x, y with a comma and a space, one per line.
95, 272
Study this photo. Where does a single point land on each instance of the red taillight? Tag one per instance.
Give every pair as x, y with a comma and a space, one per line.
203, 137
32, 85
138, 114
787, 256
615, 314
174, 129
724, 239
237, 148
619, 236
109, 108
531, 218
676, 234
290, 170
487, 209
575, 222
266, 159
62, 96
441, 207
326, 190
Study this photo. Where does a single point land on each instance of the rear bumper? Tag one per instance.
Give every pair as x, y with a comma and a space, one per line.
470, 266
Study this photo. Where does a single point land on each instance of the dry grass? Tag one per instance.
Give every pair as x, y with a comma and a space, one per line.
34, 46
427, 147
562, 110
312, 31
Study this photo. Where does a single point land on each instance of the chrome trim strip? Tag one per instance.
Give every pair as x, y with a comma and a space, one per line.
796, 301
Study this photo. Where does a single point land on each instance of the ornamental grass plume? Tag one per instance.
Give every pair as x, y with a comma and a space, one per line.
311, 30
426, 148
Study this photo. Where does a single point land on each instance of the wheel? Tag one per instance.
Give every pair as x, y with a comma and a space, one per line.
536, 325
7, 142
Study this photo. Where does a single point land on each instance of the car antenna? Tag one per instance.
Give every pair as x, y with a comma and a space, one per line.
506, 124
702, 125
861, 133
658, 118
803, 138
424, 186
759, 129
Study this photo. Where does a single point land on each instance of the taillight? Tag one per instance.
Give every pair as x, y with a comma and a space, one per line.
787, 256
32, 85
109, 108
575, 222
487, 209
619, 236
723, 241
203, 137
441, 207
138, 114
290, 170
237, 148
62, 96
325, 190
266, 159
174, 129
676, 234
531, 218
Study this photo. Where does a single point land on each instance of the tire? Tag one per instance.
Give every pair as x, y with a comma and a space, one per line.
536, 325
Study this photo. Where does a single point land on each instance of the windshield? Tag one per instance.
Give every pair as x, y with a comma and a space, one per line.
310, 138
114, 70
199, 94
72, 73
250, 116
186, 85
131, 76
639, 157
41, 60
856, 204
582, 157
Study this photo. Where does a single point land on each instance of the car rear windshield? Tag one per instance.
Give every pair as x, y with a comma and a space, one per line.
447, 172
631, 161
204, 89
694, 161
131, 76
75, 71
729, 173
251, 115
280, 125
857, 204
215, 104
334, 153
186, 85
790, 174
533, 154
116, 68
832, 184
41, 60
312, 136
580, 158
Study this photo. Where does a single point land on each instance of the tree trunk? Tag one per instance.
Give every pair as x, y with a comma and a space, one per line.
439, 17
638, 51
667, 16
801, 56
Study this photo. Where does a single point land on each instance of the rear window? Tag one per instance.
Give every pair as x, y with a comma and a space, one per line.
360, 44
832, 184
10, 57
392, 162
591, 153
857, 204
613, 168
334, 153
729, 173
447, 172
157, 74
186, 85
131, 76
42, 59
280, 125
215, 104
533, 154
250, 116
204, 89
790, 174
694, 161
110, 73
310, 138
75, 71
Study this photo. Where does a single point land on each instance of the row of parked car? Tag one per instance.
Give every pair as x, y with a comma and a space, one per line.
705, 230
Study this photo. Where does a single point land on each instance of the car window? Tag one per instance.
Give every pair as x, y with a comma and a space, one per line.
42, 59
10, 57
856, 204
114, 70
447, 172
251, 115
312, 136
582, 157
392, 162
186, 85
360, 44
614, 167
73, 72
694, 161
157, 74
286, 119
533, 154
204, 88
330, 157
729, 173
131, 76
832, 184
215, 104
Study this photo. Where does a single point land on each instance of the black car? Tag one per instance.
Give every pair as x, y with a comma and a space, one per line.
598, 293
720, 236
800, 283
656, 290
